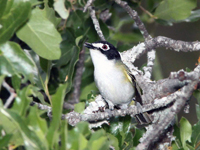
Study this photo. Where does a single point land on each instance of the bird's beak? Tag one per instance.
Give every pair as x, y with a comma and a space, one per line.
88, 45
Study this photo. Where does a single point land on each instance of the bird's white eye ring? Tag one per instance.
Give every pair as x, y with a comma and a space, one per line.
105, 47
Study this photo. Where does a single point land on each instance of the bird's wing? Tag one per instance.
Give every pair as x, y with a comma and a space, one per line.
131, 77
144, 118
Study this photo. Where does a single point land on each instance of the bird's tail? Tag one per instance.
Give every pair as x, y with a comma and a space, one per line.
143, 118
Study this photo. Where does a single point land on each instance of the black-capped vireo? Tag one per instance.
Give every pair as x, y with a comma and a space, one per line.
113, 79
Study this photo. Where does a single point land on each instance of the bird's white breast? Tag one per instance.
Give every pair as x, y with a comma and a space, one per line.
111, 79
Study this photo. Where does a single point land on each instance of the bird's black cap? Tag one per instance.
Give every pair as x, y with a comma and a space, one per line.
111, 52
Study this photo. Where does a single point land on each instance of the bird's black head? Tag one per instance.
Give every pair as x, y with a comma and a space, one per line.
105, 48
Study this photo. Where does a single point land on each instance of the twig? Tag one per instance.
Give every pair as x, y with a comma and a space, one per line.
43, 107
133, 14
147, 12
96, 23
12, 94
105, 15
151, 55
88, 4
78, 75
77, 82
68, 105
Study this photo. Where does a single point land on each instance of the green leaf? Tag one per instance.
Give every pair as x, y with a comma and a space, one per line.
67, 53
14, 61
175, 9
2, 7
40, 34
119, 127
66, 72
82, 142
197, 96
35, 2
189, 146
36, 93
104, 29
113, 141
18, 13
137, 135
96, 135
195, 15
21, 103
59, 7
78, 39
45, 65
74, 21
83, 128
50, 15
1, 80
79, 132
99, 144
16, 82
31, 141
196, 135
41, 75
98, 140
64, 133
128, 142
79, 107
4, 141
10, 128
87, 90
198, 111
37, 125
57, 102
127, 37
185, 131
177, 137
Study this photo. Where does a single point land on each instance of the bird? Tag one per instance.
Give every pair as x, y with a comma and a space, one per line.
113, 79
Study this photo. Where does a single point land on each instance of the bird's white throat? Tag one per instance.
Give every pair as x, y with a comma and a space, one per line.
100, 60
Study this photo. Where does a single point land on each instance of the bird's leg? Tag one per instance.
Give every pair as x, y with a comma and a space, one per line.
110, 105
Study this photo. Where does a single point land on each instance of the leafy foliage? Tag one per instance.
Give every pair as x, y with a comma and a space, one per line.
40, 42
175, 10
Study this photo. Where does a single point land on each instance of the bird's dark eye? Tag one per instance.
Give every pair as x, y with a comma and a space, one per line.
105, 47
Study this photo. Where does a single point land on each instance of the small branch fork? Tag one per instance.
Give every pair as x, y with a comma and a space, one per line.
12, 94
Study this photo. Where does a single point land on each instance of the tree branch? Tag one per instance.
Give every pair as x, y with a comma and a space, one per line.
96, 23
88, 4
181, 97
133, 14
176, 45
77, 82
